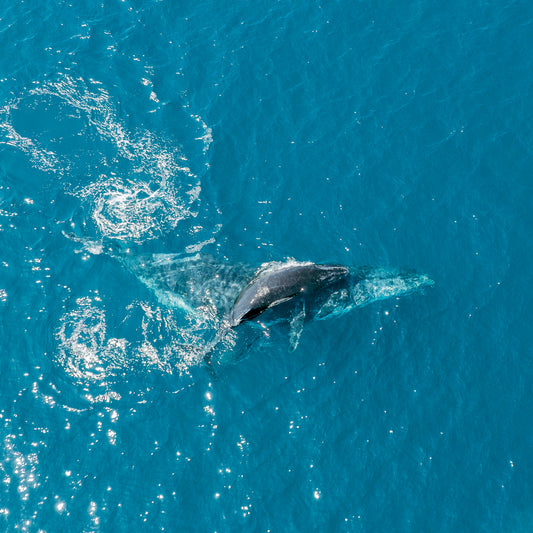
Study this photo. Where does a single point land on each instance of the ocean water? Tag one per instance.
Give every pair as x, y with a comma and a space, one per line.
134, 134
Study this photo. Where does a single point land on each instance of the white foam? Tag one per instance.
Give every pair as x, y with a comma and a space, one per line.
207, 137
40, 157
84, 350
275, 266
131, 210
141, 184
23, 468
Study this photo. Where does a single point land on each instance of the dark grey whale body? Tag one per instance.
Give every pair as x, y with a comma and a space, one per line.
274, 286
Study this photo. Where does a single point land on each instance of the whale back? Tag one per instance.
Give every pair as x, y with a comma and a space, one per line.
282, 283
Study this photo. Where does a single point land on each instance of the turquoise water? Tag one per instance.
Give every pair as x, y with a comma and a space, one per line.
390, 134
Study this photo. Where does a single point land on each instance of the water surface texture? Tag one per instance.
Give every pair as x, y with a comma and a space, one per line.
140, 136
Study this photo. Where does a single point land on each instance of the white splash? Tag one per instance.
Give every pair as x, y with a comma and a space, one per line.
141, 183
84, 350
39, 156
131, 210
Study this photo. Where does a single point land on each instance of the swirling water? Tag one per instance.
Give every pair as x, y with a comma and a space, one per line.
391, 134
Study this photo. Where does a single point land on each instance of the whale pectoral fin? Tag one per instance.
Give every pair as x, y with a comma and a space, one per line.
296, 328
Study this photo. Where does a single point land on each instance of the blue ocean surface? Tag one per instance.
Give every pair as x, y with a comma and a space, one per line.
154, 154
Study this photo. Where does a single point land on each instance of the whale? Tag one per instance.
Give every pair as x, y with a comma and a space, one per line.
297, 292
221, 308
